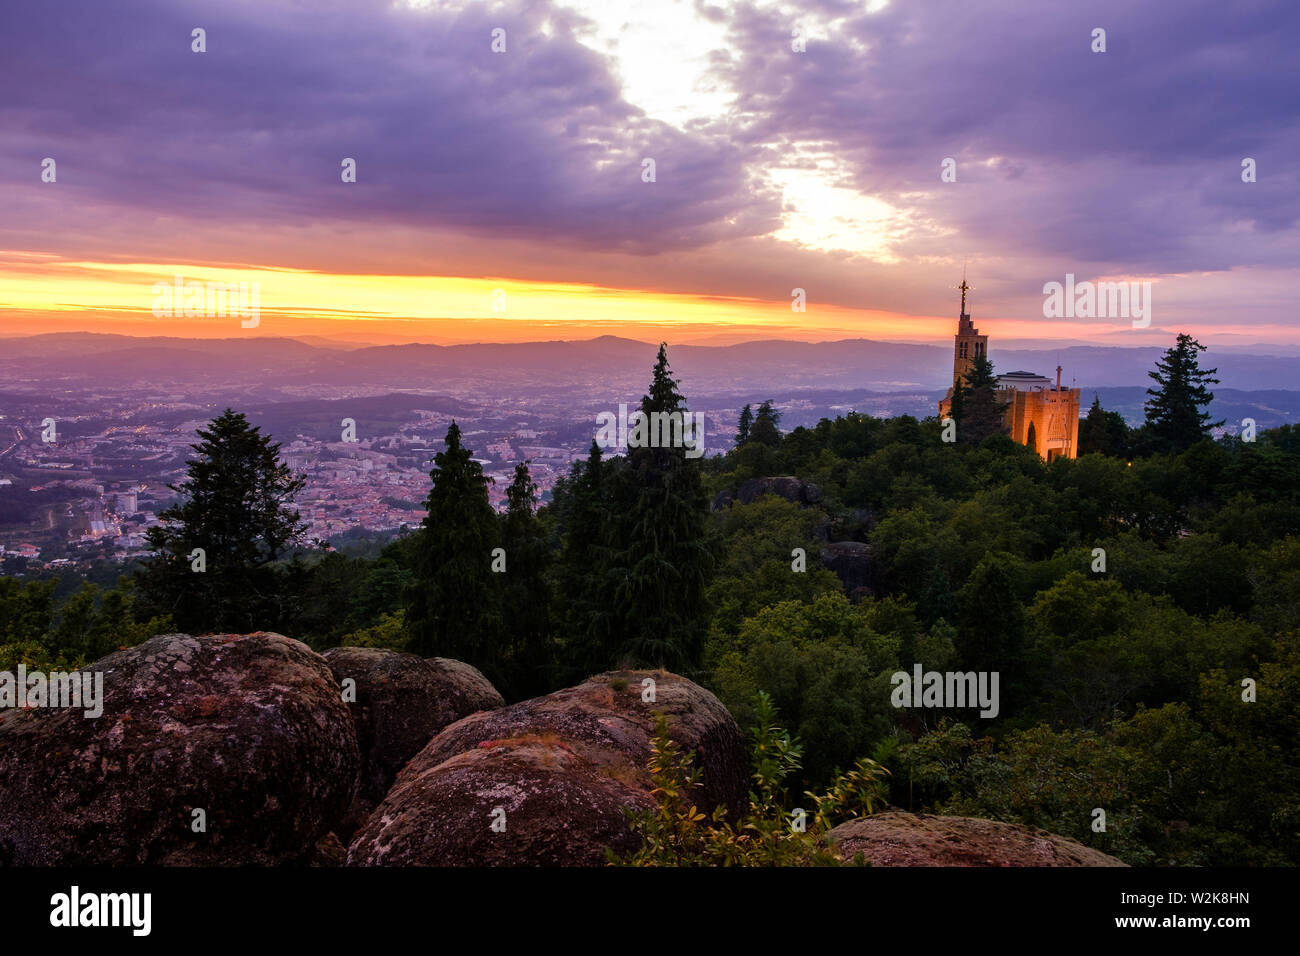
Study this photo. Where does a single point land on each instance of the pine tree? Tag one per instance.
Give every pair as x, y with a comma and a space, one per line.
1102, 432
957, 405
453, 609
660, 547
981, 373
587, 574
526, 596
237, 510
746, 422
1092, 430
982, 414
1175, 419
765, 430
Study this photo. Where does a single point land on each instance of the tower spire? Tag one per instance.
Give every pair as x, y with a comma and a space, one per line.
965, 287
969, 345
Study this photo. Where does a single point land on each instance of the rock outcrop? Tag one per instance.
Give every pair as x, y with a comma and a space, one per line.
249, 729
402, 701
607, 720
792, 489
529, 801
561, 767
898, 838
252, 730
851, 562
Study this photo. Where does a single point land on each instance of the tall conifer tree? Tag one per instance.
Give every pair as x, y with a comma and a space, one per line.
453, 608
1175, 416
765, 430
744, 425
1102, 432
526, 597
237, 510
661, 540
982, 414
588, 574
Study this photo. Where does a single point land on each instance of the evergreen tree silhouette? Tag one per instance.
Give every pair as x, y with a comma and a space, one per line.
1175, 416
237, 509
526, 595
453, 607
742, 428
660, 544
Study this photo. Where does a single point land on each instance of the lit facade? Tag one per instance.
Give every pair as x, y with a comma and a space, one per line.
1037, 412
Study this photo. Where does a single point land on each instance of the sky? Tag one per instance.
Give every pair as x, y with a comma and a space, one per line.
502, 195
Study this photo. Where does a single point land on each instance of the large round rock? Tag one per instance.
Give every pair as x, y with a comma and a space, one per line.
610, 718
249, 729
899, 838
530, 801
401, 701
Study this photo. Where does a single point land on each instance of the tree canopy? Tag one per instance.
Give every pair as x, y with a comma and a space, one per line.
1176, 416
217, 549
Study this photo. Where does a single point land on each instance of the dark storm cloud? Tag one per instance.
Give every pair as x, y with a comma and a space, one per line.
1067, 160
536, 143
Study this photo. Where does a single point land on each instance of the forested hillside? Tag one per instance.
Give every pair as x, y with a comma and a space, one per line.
1140, 604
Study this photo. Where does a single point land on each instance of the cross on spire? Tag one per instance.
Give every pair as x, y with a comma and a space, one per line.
964, 287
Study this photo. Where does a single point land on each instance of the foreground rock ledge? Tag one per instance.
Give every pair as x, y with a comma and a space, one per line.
552, 807
561, 768
898, 838
249, 728
402, 701
607, 720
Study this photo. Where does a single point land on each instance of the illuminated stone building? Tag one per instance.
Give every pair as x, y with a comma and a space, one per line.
1037, 412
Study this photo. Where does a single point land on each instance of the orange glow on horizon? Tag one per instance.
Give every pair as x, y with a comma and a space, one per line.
41, 293
119, 298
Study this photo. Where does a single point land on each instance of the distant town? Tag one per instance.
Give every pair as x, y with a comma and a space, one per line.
84, 504
94, 491
93, 428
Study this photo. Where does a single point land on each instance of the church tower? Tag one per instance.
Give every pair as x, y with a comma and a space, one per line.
1034, 412
968, 344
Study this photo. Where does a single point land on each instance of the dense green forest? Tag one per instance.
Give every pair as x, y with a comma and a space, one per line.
1141, 603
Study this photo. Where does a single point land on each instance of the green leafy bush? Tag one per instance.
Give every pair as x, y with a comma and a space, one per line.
768, 833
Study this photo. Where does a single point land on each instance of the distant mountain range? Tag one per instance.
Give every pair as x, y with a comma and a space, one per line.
785, 365
811, 379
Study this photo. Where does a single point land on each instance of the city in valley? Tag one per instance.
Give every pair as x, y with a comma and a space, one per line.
92, 431
93, 428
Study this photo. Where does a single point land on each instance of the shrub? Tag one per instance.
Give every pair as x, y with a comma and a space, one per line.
678, 833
